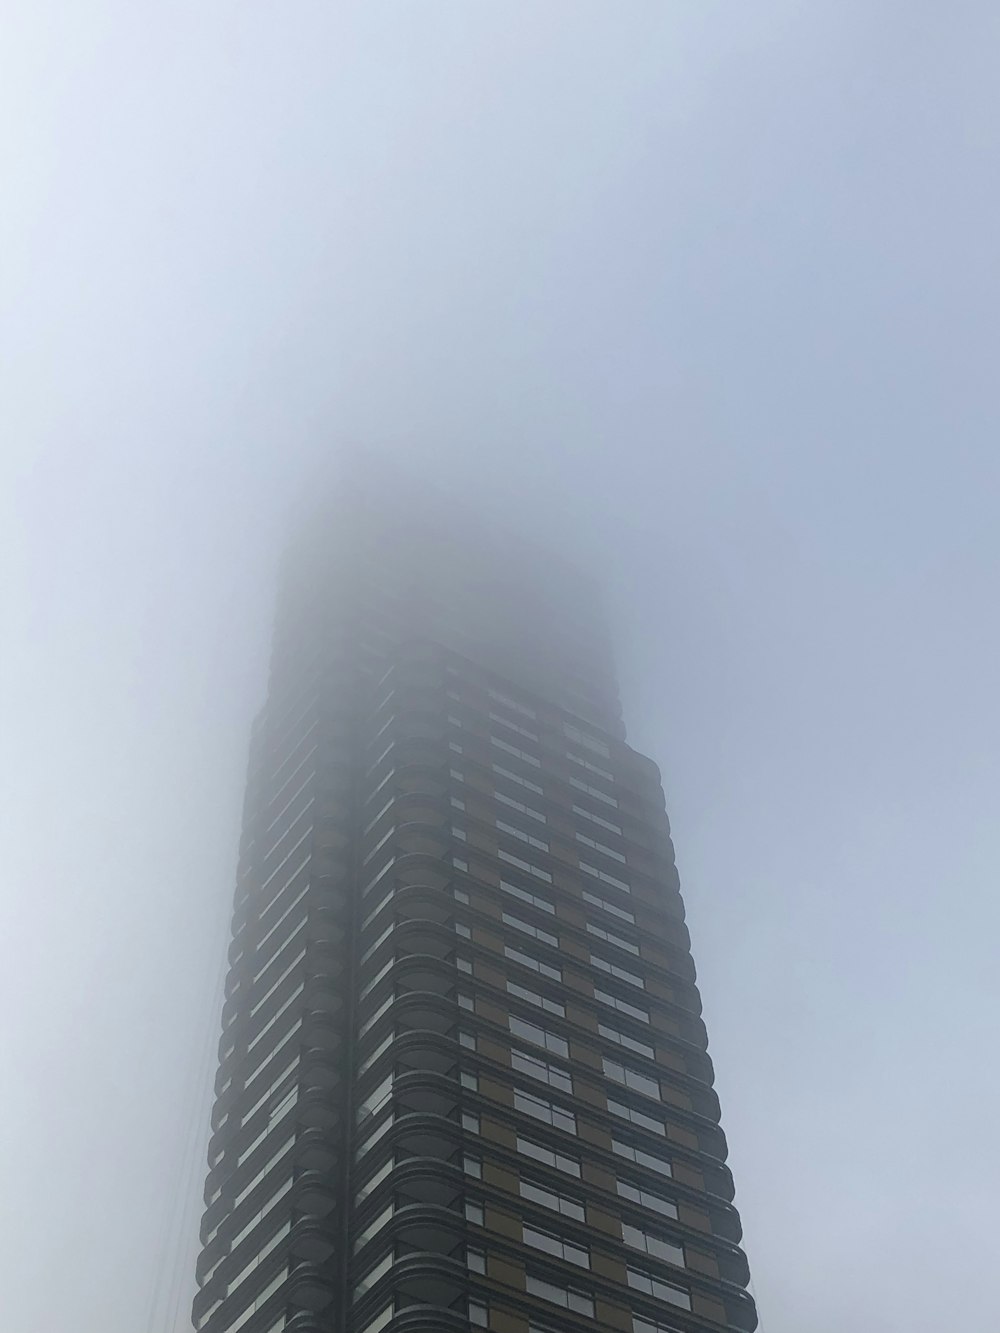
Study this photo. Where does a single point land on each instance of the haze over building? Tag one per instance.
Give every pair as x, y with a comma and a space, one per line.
463, 1076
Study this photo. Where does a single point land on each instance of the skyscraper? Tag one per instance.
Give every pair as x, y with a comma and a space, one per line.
463, 1078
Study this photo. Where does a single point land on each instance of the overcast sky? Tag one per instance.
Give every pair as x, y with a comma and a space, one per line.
708, 289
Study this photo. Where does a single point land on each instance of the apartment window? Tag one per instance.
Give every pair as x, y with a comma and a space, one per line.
622, 1006
535, 964
556, 1246
383, 970
467, 1002
380, 1320
460, 895
611, 938
470, 1122
596, 792
539, 1001
375, 1099
623, 1039
463, 930
637, 1118
606, 906
454, 747
457, 774
655, 1246
460, 863
526, 732
632, 1078
464, 965
546, 1198
373, 1182
568, 1297
472, 1166
584, 813
372, 1276
520, 807
475, 1213
651, 1326
526, 866
548, 1156
379, 845
551, 1041
373, 1018
520, 834
589, 766
583, 738
456, 832
535, 932
475, 1260
518, 754
469, 1081
457, 802
601, 847
526, 783
379, 1050
374, 1227
604, 877
656, 1287
622, 973
547, 1112
657, 1204
508, 702
542, 1070
479, 1314
468, 1040
526, 896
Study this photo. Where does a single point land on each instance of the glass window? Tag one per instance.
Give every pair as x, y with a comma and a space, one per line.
635, 1117
584, 813
540, 1001
636, 1194
520, 806
547, 1112
568, 1297
601, 847
516, 777
607, 906
526, 896
613, 970
551, 1041
556, 1245
642, 1158
526, 866
539, 1153
542, 1070
662, 1291
535, 932
655, 1246
535, 964
623, 1039
546, 1198
632, 1078
528, 838
617, 940
622, 1006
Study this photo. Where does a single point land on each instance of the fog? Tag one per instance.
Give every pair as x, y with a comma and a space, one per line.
706, 294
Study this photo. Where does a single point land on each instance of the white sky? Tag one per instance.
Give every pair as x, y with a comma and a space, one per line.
711, 291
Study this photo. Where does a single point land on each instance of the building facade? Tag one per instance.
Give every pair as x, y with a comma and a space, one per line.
463, 1078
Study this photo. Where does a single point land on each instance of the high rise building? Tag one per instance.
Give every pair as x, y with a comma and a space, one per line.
463, 1078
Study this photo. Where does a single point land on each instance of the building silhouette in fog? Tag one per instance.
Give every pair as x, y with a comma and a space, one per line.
463, 1078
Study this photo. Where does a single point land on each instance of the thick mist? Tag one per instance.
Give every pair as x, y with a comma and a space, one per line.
706, 294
